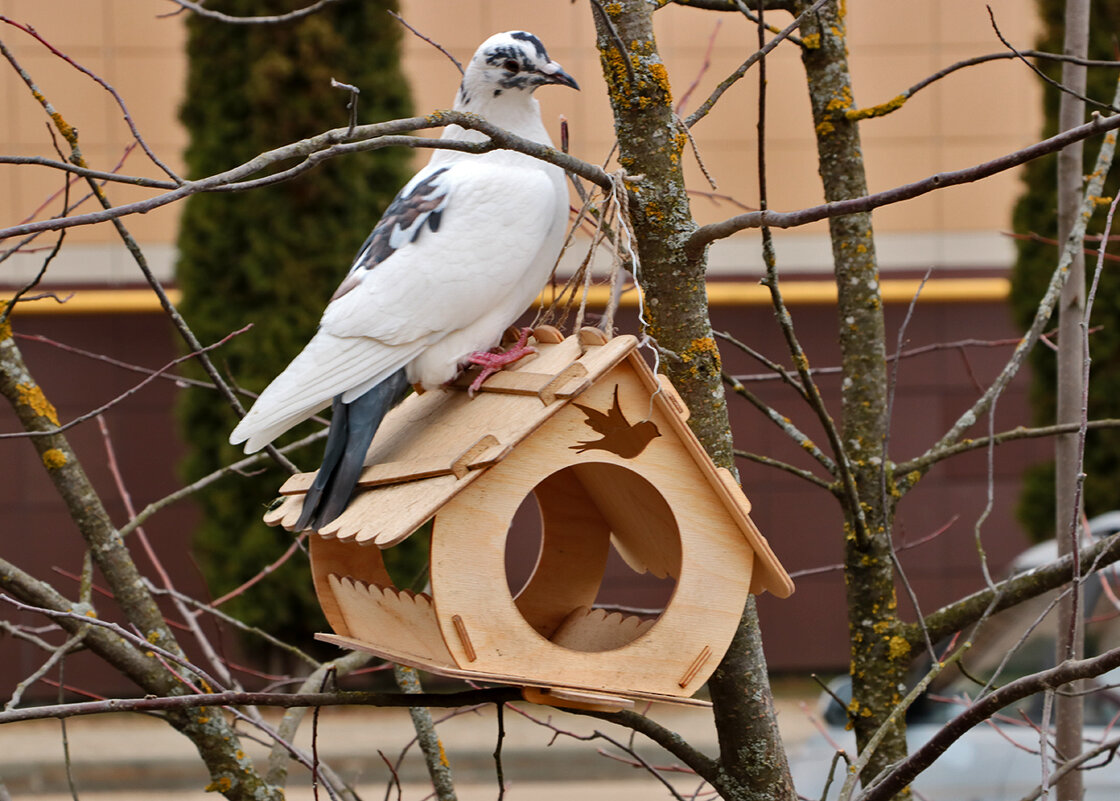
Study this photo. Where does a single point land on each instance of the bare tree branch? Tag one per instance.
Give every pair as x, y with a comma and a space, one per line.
332, 144
899, 100
1046, 305
433, 43
925, 754
128, 393
1063, 86
731, 79
1016, 589
281, 700
100, 82
928, 459
706, 234
291, 16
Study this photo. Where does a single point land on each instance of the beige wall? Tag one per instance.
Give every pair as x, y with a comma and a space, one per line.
140, 55
971, 116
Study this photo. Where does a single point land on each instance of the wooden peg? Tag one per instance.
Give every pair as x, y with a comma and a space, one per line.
697, 663
464, 637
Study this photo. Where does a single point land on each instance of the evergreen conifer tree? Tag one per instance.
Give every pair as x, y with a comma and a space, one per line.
273, 256
1036, 213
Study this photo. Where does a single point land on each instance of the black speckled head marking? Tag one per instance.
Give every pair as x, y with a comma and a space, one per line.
514, 60
525, 36
520, 67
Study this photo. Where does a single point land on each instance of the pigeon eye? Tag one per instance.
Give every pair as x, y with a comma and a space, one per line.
512, 65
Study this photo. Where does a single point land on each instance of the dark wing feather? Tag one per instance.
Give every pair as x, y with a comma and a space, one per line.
421, 206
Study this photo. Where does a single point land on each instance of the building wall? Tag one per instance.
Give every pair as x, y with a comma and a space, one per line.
140, 54
971, 116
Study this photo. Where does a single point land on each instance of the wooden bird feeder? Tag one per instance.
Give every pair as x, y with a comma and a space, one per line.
603, 444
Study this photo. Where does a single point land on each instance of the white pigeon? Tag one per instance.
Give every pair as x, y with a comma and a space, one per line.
458, 256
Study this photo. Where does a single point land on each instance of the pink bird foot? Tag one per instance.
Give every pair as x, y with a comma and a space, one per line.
491, 361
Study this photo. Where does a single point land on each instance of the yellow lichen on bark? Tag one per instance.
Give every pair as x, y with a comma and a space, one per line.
31, 396
880, 110
661, 78
698, 351
54, 459
898, 647
222, 785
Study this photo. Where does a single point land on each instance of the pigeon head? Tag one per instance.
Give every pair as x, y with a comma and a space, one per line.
509, 65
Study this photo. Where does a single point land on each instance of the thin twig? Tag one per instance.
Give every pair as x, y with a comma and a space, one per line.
135, 368
104, 85
434, 757
124, 395
141, 643
432, 42
291, 16
1056, 84
1046, 304
779, 372
706, 234
203, 607
892, 388
799, 437
730, 80
767, 461
21, 246
704, 66
10, 306
207, 480
501, 776
927, 460
73, 643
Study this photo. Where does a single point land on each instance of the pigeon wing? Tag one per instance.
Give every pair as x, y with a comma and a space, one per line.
492, 224
454, 244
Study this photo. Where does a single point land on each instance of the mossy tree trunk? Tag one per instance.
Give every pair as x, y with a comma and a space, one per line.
651, 143
652, 140
879, 656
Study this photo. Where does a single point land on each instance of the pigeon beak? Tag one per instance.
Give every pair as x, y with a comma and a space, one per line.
554, 73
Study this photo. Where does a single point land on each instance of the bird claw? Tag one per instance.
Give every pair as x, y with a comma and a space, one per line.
492, 361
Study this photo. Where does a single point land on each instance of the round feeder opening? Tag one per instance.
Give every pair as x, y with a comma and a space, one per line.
592, 556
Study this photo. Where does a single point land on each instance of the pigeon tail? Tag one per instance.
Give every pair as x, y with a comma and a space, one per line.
352, 428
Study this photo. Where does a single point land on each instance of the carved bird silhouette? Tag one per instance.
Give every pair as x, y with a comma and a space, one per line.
617, 435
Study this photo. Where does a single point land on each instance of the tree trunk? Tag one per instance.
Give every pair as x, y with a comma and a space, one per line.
1069, 709
879, 657
651, 142
231, 772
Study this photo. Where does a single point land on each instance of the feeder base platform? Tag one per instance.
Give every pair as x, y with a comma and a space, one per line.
603, 699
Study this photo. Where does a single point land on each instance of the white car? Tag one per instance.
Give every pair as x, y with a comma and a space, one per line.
996, 761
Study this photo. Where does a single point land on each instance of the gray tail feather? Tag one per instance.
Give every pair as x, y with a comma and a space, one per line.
352, 428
